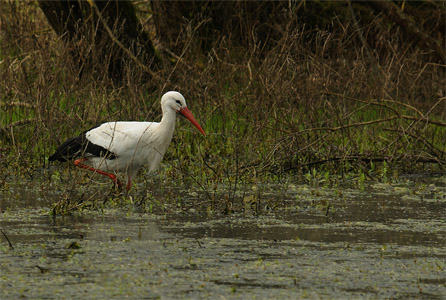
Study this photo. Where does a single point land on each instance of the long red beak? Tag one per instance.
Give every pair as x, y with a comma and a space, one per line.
188, 115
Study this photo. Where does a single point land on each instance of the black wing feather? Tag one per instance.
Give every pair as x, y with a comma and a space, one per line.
78, 147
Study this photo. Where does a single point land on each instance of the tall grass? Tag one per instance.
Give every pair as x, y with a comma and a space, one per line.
314, 100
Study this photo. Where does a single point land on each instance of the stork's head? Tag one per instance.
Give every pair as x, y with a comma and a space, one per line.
174, 100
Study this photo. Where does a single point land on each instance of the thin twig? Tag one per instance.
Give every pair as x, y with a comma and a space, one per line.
7, 239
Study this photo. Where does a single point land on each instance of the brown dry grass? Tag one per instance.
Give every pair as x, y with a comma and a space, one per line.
336, 98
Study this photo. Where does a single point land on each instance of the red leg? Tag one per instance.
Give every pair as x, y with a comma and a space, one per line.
129, 184
113, 177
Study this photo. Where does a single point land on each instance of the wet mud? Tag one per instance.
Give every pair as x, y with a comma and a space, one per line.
383, 241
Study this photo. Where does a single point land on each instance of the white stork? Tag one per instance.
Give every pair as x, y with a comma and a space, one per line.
126, 146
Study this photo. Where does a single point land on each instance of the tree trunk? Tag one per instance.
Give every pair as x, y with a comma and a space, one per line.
101, 33
396, 15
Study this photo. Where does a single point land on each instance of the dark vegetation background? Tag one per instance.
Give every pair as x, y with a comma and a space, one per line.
292, 87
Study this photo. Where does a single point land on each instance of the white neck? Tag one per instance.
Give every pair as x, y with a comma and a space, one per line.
167, 125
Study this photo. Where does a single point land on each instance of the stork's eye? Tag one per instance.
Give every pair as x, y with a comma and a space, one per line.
178, 102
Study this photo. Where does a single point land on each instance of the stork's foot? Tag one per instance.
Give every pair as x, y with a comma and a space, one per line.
129, 184
117, 185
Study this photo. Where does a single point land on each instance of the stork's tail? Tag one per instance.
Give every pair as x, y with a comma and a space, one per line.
69, 150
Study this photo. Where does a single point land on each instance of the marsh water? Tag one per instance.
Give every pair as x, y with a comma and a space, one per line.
288, 242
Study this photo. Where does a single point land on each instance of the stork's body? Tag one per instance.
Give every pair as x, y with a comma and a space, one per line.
126, 146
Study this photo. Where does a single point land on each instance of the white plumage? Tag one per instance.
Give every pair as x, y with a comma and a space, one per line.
126, 146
